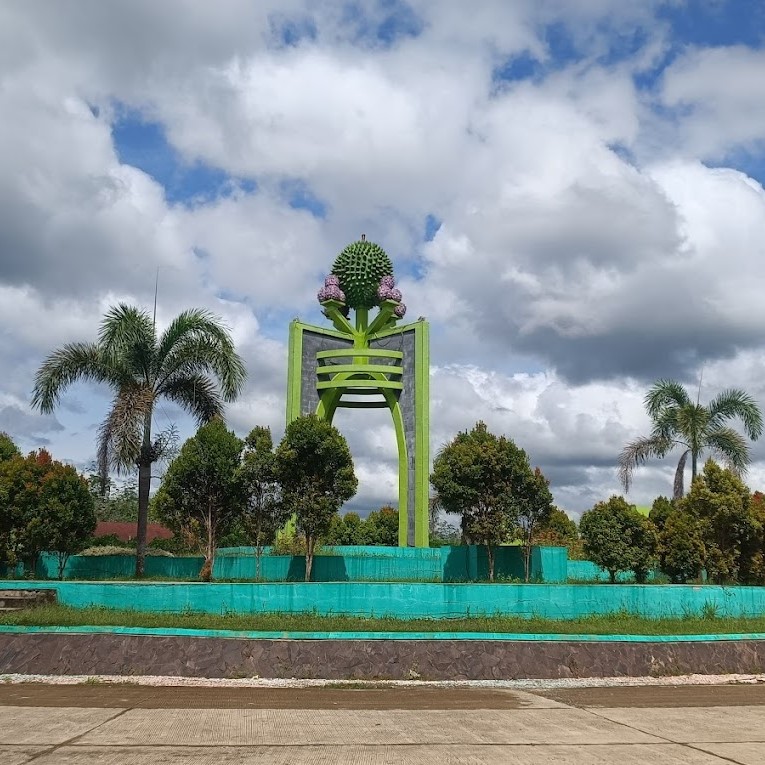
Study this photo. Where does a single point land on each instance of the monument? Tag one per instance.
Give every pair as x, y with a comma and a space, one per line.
367, 360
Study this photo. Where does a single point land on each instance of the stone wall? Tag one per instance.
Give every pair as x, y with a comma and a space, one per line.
93, 654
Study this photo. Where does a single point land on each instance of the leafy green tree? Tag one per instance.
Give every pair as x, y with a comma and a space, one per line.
618, 538
347, 529
752, 569
116, 502
445, 535
8, 449
485, 479
46, 505
559, 526
681, 546
695, 428
315, 472
558, 530
721, 502
533, 502
661, 509
266, 513
142, 367
381, 527
202, 488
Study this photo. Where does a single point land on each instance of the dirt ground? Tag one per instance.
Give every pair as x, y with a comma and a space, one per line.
127, 695
660, 696
121, 695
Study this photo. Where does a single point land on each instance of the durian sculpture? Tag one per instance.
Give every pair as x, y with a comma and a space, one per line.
369, 361
362, 279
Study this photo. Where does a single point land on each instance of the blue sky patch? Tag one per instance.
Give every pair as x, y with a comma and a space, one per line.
143, 144
390, 22
300, 197
432, 224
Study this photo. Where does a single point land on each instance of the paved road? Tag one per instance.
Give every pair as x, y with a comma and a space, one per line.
137, 725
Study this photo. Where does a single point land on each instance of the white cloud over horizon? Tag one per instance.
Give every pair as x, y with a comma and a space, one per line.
595, 179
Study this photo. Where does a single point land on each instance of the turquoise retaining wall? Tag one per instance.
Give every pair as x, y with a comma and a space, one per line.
411, 600
341, 564
587, 571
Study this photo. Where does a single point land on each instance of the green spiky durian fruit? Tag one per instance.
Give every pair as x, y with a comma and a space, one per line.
360, 266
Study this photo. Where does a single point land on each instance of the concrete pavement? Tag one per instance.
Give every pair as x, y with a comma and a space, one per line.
124, 724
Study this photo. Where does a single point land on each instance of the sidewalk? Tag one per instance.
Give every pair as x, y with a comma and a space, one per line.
125, 723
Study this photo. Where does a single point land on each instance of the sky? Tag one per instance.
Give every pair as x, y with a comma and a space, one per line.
571, 193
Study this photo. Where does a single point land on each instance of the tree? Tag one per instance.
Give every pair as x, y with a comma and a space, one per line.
381, 527
534, 506
752, 570
202, 488
315, 472
344, 530
681, 547
618, 538
721, 502
661, 509
46, 506
116, 502
182, 365
8, 449
483, 478
678, 422
558, 526
257, 473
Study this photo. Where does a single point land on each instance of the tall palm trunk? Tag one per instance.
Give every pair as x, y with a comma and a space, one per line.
144, 488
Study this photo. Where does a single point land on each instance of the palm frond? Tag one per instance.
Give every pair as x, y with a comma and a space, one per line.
693, 425
128, 333
730, 447
663, 394
666, 426
734, 403
637, 452
120, 436
193, 322
197, 394
72, 362
197, 354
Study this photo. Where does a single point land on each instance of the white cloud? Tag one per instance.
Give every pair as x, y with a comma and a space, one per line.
719, 98
563, 271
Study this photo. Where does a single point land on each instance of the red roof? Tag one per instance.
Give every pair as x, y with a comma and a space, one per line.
128, 531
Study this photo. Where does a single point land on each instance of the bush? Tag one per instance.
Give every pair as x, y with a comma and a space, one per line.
116, 550
681, 547
618, 538
108, 540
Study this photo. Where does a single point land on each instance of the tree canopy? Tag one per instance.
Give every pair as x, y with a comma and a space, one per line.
202, 489
44, 506
192, 363
315, 470
487, 480
618, 538
694, 428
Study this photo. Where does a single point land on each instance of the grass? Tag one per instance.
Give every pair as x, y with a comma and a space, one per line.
613, 624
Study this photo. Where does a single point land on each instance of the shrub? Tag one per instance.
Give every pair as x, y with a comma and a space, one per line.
116, 550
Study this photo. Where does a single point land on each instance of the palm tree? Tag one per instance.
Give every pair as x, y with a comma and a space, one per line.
192, 363
695, 428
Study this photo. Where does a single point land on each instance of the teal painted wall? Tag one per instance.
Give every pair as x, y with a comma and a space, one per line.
339, 564
411, 600
587, 571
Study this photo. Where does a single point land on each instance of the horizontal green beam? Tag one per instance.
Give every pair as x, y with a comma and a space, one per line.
387, 369
360, 352
362, 404
346, 384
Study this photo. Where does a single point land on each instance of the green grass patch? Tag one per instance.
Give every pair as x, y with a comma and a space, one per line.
612, 624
